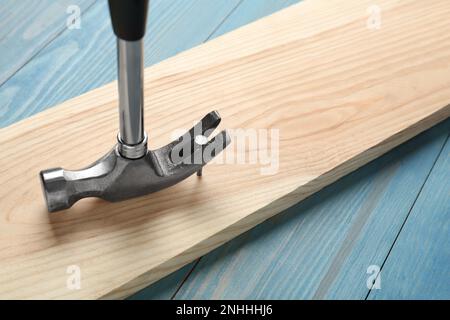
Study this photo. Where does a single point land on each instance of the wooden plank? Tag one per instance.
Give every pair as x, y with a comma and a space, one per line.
368, 92
27, 26
82, 60
322, 247
424, 240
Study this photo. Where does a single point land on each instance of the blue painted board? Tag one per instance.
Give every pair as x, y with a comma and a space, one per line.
322, 247
27, 26
81, 60
418, 266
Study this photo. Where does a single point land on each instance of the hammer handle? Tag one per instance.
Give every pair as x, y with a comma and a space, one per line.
129, 18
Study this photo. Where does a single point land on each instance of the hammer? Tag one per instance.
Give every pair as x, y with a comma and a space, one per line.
131, 170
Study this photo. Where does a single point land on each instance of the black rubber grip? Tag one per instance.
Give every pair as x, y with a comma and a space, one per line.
129, 18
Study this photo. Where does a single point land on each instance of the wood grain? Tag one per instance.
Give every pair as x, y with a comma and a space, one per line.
340, 94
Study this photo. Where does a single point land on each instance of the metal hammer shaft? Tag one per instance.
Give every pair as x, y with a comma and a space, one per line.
131, 91
129, 23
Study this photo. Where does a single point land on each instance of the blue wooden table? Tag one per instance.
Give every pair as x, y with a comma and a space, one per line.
382, 232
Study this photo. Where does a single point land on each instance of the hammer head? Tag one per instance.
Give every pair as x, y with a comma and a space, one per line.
115, 178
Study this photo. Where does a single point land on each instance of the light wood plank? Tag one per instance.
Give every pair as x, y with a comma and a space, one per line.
340, 94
